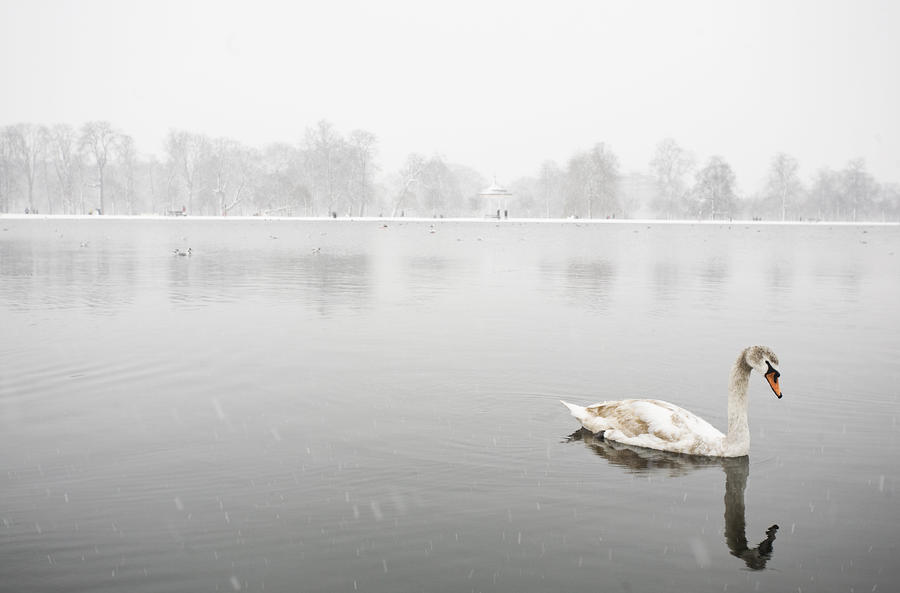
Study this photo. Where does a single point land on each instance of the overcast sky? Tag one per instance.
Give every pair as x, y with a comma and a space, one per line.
498, 86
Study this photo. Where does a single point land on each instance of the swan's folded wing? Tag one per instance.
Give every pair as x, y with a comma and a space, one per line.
655, 424
628, 417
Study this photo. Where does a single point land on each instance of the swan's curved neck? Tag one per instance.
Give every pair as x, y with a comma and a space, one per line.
738, 438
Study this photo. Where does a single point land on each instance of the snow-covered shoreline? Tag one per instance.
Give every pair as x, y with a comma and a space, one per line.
577, 221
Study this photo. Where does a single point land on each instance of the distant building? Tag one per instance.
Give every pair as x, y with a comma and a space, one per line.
496, 197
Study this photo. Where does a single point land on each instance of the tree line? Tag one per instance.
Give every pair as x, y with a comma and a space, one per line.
96, 169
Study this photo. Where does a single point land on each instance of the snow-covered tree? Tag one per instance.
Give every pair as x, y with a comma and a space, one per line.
783, 186
186, 153
362, 148
233, 169
407, 180
593, 180
858, 188
27, 143
669, 166
62, 147
550, 185
97, 141
326, 160
713, 194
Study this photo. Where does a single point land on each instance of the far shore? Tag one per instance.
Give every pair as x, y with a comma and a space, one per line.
399, 219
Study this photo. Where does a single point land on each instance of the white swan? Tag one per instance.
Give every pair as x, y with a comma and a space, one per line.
660, 425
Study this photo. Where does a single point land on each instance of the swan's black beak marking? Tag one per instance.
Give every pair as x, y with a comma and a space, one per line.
772, 377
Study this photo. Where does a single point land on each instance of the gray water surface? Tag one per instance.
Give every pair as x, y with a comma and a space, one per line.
373, 406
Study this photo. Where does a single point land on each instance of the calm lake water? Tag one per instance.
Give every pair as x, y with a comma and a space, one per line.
343, 406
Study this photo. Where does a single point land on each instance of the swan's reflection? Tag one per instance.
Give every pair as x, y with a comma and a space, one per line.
737, 469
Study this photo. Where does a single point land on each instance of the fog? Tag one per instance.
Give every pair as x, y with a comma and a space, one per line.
96, 169
484, 90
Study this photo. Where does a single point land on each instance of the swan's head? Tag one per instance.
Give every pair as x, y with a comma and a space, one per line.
765, 362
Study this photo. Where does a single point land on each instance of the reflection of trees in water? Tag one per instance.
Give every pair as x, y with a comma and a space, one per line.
342, 278
780, 273
587, 282
431, 274
848, 278
645, 461
713, 275
65, 277
323, 281
665, 281
715, 271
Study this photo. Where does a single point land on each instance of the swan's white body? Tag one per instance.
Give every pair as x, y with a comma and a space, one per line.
660, 425
655, 424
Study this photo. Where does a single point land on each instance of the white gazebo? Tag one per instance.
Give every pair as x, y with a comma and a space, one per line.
496, 195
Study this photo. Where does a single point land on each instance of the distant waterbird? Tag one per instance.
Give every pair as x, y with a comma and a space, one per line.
182, 252
664, 426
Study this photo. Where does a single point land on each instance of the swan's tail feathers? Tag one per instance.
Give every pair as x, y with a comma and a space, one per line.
587, 420
577, 411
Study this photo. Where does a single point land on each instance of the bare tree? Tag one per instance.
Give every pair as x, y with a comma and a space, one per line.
6, 169
824, 196
636, 189
550, 183
594, 180
431, 184
326, 152
668, 167
714, 189
234, 167
783, 185
409, 176
186, 152
438, 188
153, 180
528, 202
469, 183
858, 189
362, 145
27, 143
171, 182
97, 141
284, 184
889, 202
63, 149
128, 159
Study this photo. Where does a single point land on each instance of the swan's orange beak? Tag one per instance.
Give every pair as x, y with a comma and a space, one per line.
772, 378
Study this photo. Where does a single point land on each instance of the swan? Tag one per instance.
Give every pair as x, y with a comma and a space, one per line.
657, 424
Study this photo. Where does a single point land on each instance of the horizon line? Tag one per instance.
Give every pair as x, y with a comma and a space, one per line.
422, 219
